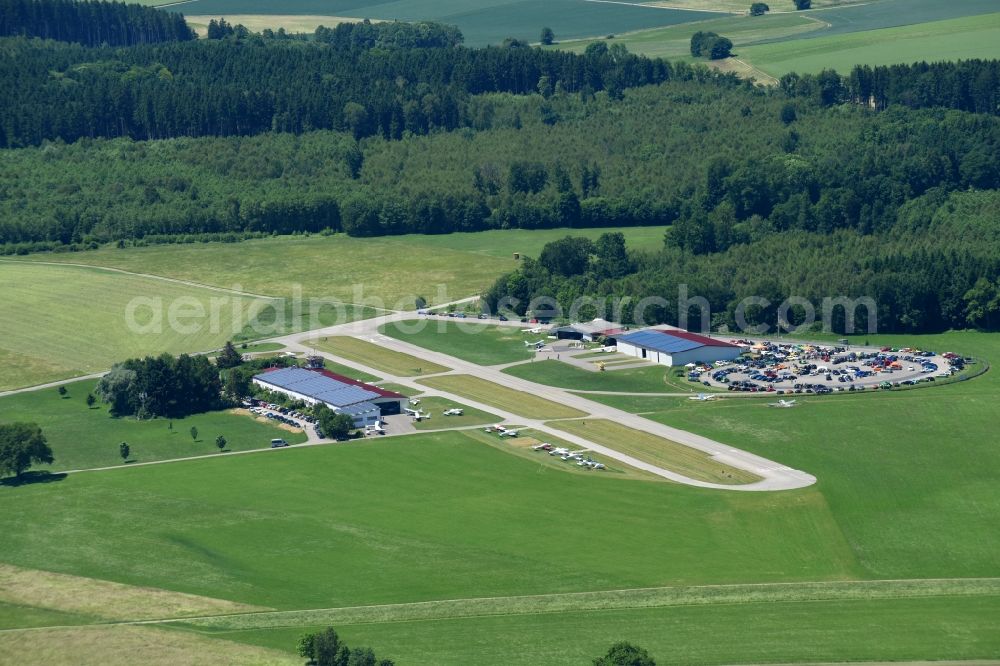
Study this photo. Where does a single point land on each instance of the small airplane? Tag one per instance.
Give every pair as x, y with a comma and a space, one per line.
416, 414
702, 397
544, 446
782, 403
414, 401
508, 433
535, 331
537, 345
559, 451
454, 411
375, 429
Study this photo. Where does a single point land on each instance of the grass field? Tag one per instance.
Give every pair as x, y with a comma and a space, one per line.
815, 632
551, 372
657, 451
271, 536
481, 21
82, 437
377, 357
953, 39
501, 397
292, 23
470, 341
64, 321
461, 263
434, 406
674, 42
347, 371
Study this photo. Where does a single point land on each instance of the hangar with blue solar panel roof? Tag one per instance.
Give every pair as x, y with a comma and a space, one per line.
364, 403
676, 347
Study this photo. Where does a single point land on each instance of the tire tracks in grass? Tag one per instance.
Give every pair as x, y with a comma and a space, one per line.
627, 599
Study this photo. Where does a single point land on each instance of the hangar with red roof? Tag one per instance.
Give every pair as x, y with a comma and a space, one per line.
676, 347
365, 403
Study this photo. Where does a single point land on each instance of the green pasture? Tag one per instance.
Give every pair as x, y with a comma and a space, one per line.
909, 474
468, 340
884, 630
65, 321
84, 437
264, 529
953, 39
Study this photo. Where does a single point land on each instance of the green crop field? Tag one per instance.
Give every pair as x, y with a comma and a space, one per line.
481, 21
82, 437
657, 451
501, 397
382, 359
953, 39
674, 41
484, 344
65, 321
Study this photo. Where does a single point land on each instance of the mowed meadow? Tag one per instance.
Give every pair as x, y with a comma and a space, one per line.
898, 500
68, 320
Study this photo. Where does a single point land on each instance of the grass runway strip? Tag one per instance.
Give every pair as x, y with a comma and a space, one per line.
607, 600
379, 358
501, 397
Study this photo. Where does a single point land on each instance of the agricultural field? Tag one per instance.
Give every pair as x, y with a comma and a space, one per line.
953, 39
501, 397
377, 357
84, 437
66, 321
481, 21
674, 42
474, 342
657, 451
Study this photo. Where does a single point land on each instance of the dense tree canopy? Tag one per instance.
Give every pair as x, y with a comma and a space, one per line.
91, 22
164, 385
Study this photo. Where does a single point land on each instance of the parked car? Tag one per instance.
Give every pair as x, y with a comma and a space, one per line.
278, 443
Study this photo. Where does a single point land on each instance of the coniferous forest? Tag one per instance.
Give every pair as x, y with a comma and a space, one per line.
883, 180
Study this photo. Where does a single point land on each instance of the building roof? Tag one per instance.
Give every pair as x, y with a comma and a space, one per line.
597, 326
671, 342
323, 386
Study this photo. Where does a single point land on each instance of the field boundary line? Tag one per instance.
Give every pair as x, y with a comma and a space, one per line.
622, 599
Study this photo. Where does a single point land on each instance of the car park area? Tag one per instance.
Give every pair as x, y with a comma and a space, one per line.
795, 368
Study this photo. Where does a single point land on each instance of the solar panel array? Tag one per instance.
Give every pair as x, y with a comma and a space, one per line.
318, 387
660, 341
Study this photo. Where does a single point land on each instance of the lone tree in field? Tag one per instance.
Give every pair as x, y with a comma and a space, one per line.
229, 357
548, 37
124, 450
220, 442
21, 446
803, 4
194, 433
710, 44
625, 654
63, 391
759, 9
91, 400
324, 648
